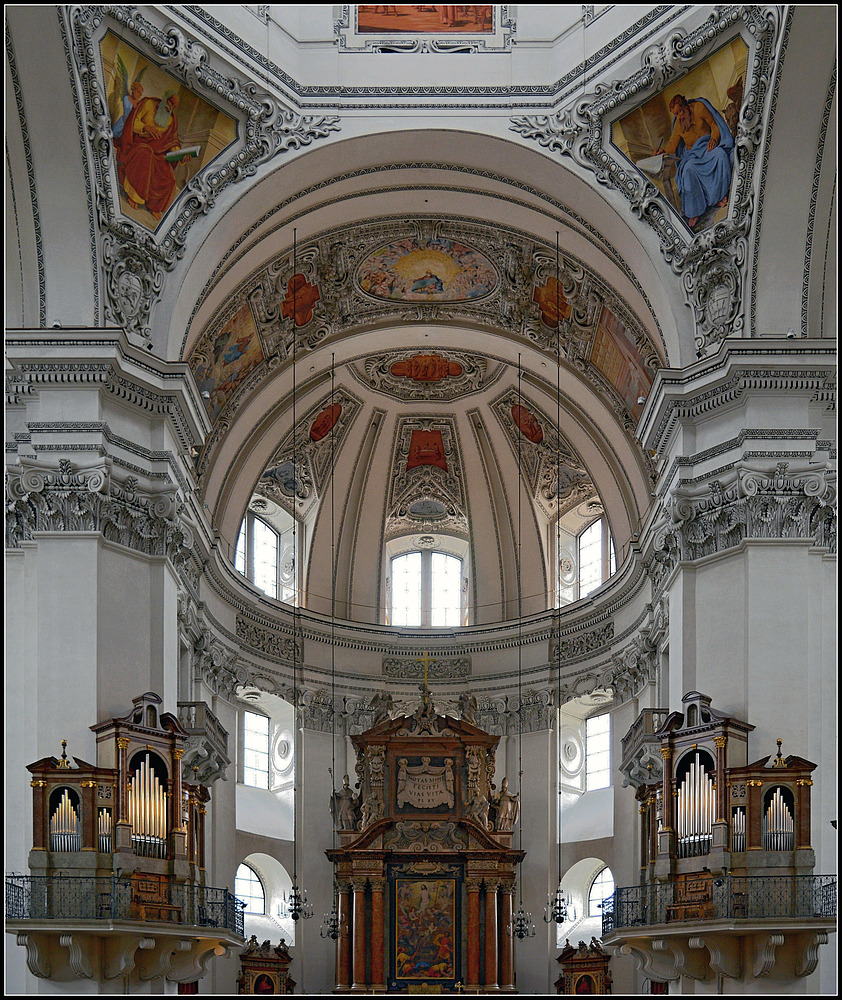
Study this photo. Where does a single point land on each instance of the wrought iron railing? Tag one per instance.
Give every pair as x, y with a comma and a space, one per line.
57, 897
732, 897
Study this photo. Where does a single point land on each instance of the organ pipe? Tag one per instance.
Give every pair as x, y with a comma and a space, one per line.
738, 830
64, 826
148, 811
779, 826
696, 806
104, 831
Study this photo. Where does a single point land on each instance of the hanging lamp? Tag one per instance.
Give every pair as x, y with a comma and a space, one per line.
295, 904
330, 922
558, 908
521, 925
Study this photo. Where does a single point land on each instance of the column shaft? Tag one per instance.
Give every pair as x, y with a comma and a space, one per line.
491, 937
473, 934
506, 942
359, 937
377, 972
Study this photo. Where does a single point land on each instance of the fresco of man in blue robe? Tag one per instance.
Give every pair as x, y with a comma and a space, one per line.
704, 148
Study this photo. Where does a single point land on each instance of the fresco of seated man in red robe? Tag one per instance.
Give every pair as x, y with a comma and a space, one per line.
149, 133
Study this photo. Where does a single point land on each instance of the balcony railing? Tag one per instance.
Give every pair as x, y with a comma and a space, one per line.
56, 897
732, 897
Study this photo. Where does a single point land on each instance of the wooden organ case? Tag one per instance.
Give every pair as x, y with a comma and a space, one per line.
705, 811
425, 870
129, 815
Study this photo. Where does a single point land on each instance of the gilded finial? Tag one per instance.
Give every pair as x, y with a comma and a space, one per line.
64, 763
779, 760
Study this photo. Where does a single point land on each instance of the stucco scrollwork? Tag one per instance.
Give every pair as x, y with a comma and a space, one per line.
275, 645
712, 263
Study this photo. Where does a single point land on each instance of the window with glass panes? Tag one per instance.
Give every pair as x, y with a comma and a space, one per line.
265, 555
597, 752
426, 590
602, 888
596, 559
255, 750
249, 889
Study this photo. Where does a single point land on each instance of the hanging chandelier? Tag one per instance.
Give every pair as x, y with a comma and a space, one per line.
521, 925
295, 904
330, 921
559, 908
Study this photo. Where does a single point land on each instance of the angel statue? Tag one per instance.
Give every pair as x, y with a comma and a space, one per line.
128, 95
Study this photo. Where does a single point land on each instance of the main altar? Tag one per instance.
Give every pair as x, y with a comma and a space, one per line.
424, 866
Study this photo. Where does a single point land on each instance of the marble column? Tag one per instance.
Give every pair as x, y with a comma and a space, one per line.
491, 936
472, 886
506, 941
754, 831
343, 961
359, 946
378, 975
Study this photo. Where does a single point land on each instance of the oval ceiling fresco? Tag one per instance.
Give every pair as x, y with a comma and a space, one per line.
438, 270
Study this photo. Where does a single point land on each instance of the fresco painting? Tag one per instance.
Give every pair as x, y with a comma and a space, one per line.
426, 368
527, 424
552, 302
300, 299
683, 138
162, 133
440, 270
325, 421
424, 18
221, 363
615, 354
426, 448
425, 918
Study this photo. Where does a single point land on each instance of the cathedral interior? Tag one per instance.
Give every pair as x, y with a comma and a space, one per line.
420, 499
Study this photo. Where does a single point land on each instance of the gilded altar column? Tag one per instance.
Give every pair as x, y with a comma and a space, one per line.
506, 940
473, 886
358, 887
722, 820
491, 936
89, 830
377, 955
653, 826
343, 964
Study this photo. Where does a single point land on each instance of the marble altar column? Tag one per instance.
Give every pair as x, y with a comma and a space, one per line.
358, 888
506, 941
377, 971
491, 936
473, 886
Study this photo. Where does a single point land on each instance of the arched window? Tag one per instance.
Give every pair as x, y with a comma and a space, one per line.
601, 889
427, 588
249, 888
265, 554
585, 560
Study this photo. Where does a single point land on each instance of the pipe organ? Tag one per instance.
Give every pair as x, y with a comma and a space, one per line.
707, 809
130, 812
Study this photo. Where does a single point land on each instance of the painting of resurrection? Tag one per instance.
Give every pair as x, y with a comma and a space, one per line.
162, 133
440, 270
683, 138
425, 922
424, 18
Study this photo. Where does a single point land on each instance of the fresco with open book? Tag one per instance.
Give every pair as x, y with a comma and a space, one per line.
683, 138
162, 133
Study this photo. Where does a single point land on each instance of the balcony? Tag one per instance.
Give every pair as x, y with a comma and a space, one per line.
206, 750
641, 763
740, 927
102, 928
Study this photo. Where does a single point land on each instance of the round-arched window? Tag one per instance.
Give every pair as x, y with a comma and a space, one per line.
249, 888
602, 888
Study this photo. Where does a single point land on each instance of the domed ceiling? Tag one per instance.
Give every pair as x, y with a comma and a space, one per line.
432, 364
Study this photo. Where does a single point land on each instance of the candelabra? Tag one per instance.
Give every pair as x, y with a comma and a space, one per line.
559, 908
521, 926
330, 923
296, 906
